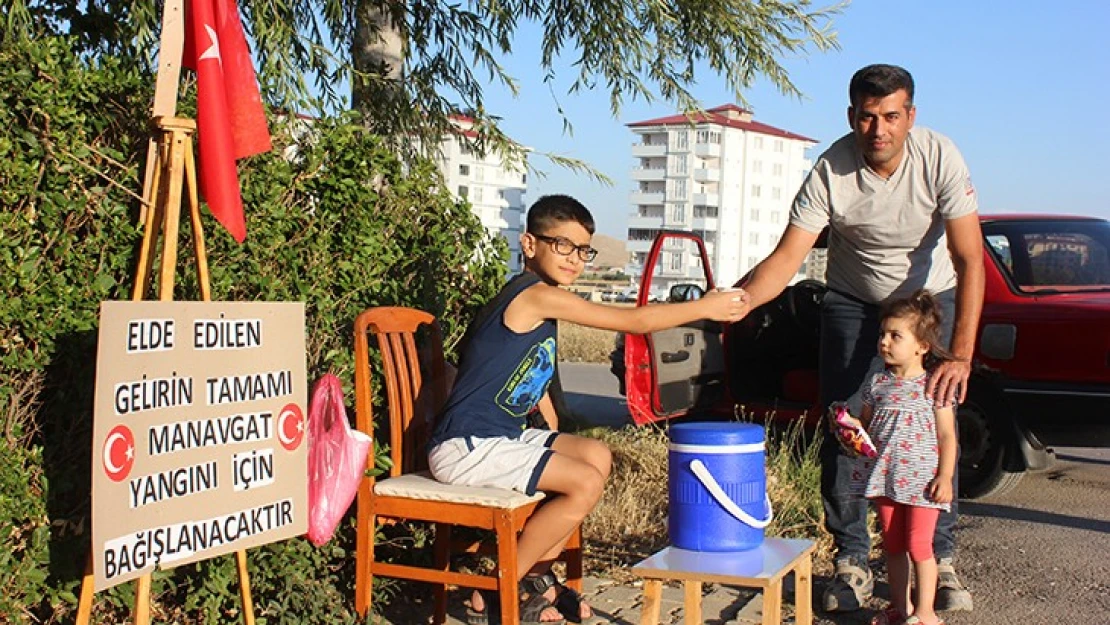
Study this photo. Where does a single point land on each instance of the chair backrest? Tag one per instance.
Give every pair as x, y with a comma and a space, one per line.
414, 394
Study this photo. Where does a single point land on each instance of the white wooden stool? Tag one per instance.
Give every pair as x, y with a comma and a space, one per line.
763, 567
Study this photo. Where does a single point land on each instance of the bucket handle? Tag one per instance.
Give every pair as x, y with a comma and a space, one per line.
710, 483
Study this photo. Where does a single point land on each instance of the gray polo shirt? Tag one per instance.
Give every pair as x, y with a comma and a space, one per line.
886, 237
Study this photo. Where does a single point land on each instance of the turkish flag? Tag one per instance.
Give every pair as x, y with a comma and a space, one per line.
230, 119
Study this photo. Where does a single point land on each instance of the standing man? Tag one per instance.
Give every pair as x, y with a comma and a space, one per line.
902, 215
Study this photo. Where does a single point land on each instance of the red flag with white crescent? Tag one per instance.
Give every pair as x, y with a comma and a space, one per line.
231, 122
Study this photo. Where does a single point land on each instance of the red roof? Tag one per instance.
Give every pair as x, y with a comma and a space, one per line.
717, 115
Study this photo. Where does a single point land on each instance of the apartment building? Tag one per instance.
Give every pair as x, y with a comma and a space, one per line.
495, 192
720, 174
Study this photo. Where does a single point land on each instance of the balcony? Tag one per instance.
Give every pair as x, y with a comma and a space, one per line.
647, 197
707, 199
649, 173
638, 246
646, 222
707, 150
647, 150
707, 175
705, 223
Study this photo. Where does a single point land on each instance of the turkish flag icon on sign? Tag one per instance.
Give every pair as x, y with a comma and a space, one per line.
230, 120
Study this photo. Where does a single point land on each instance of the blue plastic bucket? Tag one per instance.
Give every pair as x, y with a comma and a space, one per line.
717, 483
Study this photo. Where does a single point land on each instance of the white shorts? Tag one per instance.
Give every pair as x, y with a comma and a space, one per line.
499, 462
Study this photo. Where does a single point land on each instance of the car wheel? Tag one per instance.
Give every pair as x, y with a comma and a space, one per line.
990, 463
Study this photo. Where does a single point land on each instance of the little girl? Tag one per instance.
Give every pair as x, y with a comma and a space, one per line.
910, 481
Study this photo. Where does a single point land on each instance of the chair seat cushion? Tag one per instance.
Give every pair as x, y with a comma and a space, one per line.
423, 486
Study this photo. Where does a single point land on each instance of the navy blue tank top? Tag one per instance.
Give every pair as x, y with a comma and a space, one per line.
502, 374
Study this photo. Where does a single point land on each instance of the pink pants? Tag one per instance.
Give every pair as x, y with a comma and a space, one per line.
907, 528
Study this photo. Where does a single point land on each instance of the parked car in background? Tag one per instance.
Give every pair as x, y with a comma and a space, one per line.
1041, 370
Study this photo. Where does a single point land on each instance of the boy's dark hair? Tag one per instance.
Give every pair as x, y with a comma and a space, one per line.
924, 309
550, 210
879, 81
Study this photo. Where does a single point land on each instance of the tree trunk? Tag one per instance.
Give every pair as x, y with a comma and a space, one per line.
377, 54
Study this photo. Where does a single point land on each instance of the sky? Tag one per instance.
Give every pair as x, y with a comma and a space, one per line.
1021, 86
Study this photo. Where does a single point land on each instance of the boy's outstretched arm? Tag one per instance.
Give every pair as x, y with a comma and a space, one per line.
543, 301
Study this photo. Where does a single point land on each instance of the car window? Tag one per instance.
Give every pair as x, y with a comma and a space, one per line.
1001, 246
1045, 254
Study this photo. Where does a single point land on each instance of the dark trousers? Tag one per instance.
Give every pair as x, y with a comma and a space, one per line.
849, 345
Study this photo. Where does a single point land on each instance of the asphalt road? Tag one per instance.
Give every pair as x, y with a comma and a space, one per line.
1038, 555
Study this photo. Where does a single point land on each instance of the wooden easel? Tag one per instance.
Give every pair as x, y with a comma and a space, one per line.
174, 172
171, 168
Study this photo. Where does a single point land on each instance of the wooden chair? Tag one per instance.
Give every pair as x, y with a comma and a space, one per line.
410, 492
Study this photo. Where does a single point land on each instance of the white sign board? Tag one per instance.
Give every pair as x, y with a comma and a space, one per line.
199, 433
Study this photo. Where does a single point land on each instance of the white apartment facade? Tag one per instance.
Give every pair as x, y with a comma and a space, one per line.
719, 174
495, 192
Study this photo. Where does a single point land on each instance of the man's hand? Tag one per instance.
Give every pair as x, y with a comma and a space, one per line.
948, 382
727, 305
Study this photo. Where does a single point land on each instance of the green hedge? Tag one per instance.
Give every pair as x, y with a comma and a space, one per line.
341, 226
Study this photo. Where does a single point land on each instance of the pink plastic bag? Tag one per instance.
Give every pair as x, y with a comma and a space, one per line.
336, 460
851, 436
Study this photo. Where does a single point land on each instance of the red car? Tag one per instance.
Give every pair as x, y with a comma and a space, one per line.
1041, 372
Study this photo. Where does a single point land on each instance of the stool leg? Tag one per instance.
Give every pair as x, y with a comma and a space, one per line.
772, 604
803, 592
653, 601
692, 595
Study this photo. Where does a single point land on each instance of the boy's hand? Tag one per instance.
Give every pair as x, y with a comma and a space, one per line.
726, 305
940, 489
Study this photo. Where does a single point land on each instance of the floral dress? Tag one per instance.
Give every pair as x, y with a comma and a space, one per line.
903, 427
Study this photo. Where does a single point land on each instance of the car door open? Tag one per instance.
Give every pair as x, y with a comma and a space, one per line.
671, 372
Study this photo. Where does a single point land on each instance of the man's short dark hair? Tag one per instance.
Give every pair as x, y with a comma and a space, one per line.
879, 81
550, 210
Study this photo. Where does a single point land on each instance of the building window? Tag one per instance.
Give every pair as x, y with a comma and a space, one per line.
464, 170
775, 239
776, 193
755, 214
678, 213
757, 166
753, 238
464, 192
464, 148
676, 261
679, 189
680, 163
777, 169
681, 140
705, 211
774, 217
756, 190
758, 143
479, 173
524, 178
778, 145
752, 260
478, 193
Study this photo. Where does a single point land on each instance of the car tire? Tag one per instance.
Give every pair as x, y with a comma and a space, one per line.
990, 461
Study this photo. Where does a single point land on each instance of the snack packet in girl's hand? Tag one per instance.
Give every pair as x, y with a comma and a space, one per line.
850, 433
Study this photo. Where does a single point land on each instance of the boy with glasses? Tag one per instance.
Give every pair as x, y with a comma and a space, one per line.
508, 359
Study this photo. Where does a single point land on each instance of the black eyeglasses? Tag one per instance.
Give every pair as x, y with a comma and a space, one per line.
566, 247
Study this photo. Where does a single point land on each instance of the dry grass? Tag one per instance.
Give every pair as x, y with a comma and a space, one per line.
630, 522
581, 344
